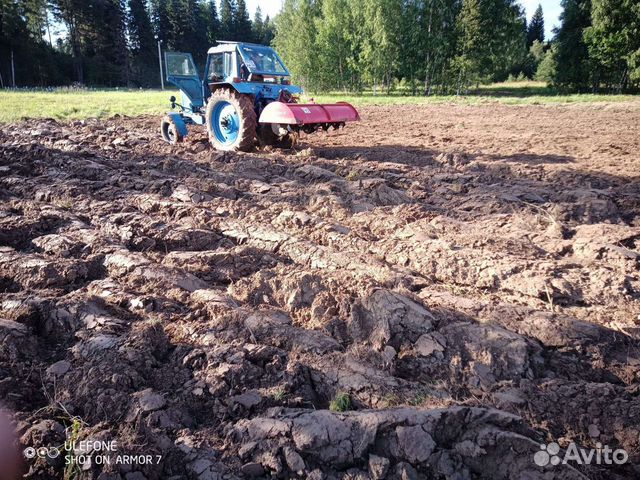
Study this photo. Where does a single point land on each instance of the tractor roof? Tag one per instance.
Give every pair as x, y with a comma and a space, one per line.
230, 46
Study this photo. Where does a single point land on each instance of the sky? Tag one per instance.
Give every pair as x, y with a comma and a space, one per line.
550, 8
268, 7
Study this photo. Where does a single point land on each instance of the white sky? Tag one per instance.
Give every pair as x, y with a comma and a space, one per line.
268, 7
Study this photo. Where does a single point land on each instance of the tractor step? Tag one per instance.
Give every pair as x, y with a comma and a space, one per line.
301, 114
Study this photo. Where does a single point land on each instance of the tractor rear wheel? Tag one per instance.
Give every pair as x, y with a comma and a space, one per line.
269, 134
231, 121
169, 131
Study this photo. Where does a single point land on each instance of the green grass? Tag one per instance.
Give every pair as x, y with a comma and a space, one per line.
78, 104
364, 100
341, 403
67, 104
510, 93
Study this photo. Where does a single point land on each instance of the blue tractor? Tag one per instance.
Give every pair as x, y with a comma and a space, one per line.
244, 97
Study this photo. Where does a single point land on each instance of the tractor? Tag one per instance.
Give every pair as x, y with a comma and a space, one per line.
245, 95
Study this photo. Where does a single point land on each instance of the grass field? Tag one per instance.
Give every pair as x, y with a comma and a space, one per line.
65, 104
76, 104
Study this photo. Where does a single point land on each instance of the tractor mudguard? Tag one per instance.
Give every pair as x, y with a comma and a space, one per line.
265, 90
177, 119
308, 113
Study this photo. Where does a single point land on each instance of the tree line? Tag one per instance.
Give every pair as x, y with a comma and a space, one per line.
450, 46
112, 43
597, 47
422, 47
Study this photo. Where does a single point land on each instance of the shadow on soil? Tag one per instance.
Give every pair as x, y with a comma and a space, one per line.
417, 156
516, 90
530, 159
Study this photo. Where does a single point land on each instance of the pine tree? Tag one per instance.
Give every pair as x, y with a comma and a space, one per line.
178, 25
97, 39
210, 14
512, 59
195, 32
227, 19
142, 46
74, 15
160, 20
12, 27
139, 27
24, 32
572, 56
242, 22
109, 63
268, 31
535, 30
258, 26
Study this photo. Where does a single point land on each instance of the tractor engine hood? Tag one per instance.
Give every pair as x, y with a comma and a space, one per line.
308, 113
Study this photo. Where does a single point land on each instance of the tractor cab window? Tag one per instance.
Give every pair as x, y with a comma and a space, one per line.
216, 68
262, 60
180, 64
220, 65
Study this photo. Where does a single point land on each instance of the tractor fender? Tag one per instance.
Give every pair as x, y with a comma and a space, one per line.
218, 85
266, 90
177, 119
242, 88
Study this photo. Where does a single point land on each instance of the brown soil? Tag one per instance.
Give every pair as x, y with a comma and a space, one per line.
468, 276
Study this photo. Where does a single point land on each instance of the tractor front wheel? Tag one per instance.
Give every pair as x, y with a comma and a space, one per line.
231, 121
169, 131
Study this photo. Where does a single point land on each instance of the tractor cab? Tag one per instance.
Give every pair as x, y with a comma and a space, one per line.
248, 63
245, 93
249, 69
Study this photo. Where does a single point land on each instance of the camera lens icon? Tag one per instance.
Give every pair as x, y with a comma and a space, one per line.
53, 452
29, 452
42, 452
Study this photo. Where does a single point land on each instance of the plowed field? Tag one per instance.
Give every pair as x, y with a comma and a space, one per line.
462, 280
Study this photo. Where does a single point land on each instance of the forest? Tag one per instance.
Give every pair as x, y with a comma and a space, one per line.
418, 47
114, 43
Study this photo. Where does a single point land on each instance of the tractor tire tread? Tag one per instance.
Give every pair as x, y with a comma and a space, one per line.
249, 121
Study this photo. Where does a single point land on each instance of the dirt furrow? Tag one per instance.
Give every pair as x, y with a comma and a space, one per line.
378, 303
